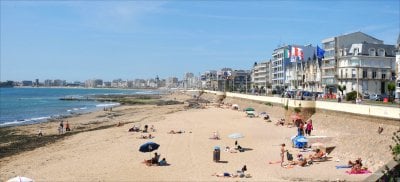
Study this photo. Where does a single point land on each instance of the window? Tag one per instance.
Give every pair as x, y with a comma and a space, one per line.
374, 74
365, 74
381, 52
383, 76
356, 51
353, 73
341, 73
345, 73
372, 52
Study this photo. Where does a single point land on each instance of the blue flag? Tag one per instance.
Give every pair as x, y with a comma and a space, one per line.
320, 52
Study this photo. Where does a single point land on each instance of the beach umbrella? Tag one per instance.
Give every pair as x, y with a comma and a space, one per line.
235, 135
263, 113
20, 179
249, 109
148, 147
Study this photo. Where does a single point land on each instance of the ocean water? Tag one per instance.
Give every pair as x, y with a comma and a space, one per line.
32, 105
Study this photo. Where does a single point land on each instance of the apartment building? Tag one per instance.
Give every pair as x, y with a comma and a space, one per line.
336, 47
366, 67
262, 75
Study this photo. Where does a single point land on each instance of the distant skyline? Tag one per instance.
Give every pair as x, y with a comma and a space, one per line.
79, 40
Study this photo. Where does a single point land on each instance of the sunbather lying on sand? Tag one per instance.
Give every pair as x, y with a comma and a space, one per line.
318, 155
301, 161
145, 137
356, 166
280, 122
176, 132
215, 136
225, 174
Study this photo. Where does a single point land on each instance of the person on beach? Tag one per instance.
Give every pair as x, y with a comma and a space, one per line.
356, 166
309, 127
67, 127
283, 150
301, 128
225, 174
40, 133
145, 128
215, 136
163, 162
61, 126
319, 154
155, 159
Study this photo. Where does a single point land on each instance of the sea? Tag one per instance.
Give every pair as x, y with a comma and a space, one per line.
22, 106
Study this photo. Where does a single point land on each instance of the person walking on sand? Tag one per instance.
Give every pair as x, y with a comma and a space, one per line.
67, 127
283, 150
309, 127
61, 127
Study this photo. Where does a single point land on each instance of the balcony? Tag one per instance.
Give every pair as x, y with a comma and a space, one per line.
329, 81
328, 65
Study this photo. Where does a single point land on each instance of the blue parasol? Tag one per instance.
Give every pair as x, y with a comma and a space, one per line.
148, 147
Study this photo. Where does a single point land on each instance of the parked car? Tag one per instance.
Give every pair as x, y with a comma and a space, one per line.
376, 97
366, 96
308, 95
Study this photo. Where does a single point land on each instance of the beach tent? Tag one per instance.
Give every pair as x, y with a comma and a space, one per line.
299, 141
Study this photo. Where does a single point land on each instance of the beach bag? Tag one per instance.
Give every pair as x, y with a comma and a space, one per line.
289, 156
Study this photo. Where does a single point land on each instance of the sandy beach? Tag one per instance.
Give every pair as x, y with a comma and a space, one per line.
112, 154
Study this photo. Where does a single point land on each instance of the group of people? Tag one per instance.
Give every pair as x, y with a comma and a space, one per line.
145, 136
319, 155
304, 128
155, 161
145, 129
240, 173
61, 128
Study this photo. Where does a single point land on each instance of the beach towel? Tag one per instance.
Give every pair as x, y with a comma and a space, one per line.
343, 166
363, 171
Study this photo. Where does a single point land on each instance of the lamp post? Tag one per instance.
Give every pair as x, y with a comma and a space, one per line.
358, 66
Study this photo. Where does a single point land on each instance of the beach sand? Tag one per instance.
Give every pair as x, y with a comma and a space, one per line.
112, 154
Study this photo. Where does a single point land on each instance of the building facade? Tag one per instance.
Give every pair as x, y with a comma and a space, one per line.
278, 63
261, 75
336, 47
366, 67
295, 71
397, 70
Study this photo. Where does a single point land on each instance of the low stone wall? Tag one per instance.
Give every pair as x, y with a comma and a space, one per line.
358, 109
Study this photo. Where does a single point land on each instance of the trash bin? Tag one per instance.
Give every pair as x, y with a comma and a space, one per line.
216, 154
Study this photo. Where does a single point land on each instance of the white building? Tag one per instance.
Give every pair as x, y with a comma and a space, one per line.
262, 74
335, 47
295, 71
366, 67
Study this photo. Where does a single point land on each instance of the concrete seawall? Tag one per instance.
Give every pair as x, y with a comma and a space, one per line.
357, 109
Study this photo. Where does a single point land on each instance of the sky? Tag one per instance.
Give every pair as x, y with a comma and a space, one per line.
80, 40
